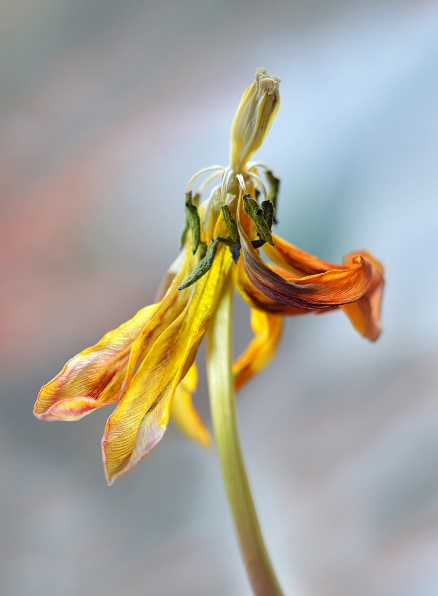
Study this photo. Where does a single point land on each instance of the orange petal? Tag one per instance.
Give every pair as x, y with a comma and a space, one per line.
140, 420
183, 411
92, 378
364, 314
261, 350
296, 260
256, 299
311, 292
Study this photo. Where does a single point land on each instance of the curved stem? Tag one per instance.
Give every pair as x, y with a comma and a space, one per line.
223, 412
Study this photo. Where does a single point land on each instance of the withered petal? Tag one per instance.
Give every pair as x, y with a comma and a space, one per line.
183, 412
311, 292
99, 374
298, 261
94, 377
364, 314
261, 350
141, 418
256, 299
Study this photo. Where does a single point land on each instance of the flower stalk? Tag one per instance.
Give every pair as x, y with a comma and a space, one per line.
223, 412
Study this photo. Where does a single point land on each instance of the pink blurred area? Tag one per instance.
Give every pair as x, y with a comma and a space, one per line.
106, 110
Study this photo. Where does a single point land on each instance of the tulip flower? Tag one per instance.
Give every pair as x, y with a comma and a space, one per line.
147, 365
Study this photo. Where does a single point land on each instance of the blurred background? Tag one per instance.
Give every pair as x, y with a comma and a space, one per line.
106, 110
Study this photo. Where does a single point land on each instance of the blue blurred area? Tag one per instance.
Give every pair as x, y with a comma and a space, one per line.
106, 111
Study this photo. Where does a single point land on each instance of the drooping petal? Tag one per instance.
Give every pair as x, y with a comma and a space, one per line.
296, 260
99, 375
169, 308
140, 420
311, 292
261, 350
92, 378
364, 314
183, 411
256, 299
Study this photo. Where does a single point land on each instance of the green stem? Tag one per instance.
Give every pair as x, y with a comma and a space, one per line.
223, 412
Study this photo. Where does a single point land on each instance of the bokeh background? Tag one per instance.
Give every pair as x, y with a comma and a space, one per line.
107, 108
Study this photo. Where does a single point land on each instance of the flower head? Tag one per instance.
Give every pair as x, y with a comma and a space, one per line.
147, 365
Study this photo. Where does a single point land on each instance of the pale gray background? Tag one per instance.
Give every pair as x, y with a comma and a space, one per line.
106, 109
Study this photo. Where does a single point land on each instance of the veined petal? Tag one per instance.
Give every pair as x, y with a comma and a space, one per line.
92, 378
99, 375
140, 420
183, 411
296, 260
364, 314
261, 350
171, 306
311, 292
256, 299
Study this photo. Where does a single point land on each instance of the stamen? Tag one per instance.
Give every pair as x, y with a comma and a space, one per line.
193, 221
253, 165
208, 181
203, 171
268, 213
230, 223
202, 267
257, 214
241, 181
235, 252
228, 173
274, 188
260, 183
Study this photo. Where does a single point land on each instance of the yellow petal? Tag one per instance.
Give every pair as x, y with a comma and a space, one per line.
97, 376
261, 350
141, 418
183, 412
92, 378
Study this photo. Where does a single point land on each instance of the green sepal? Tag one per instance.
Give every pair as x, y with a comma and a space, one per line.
202, 267
253, 210
202, 249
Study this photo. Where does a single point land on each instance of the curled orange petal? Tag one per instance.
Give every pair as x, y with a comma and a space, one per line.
256, 299
311, 292
296, 260
364, 314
